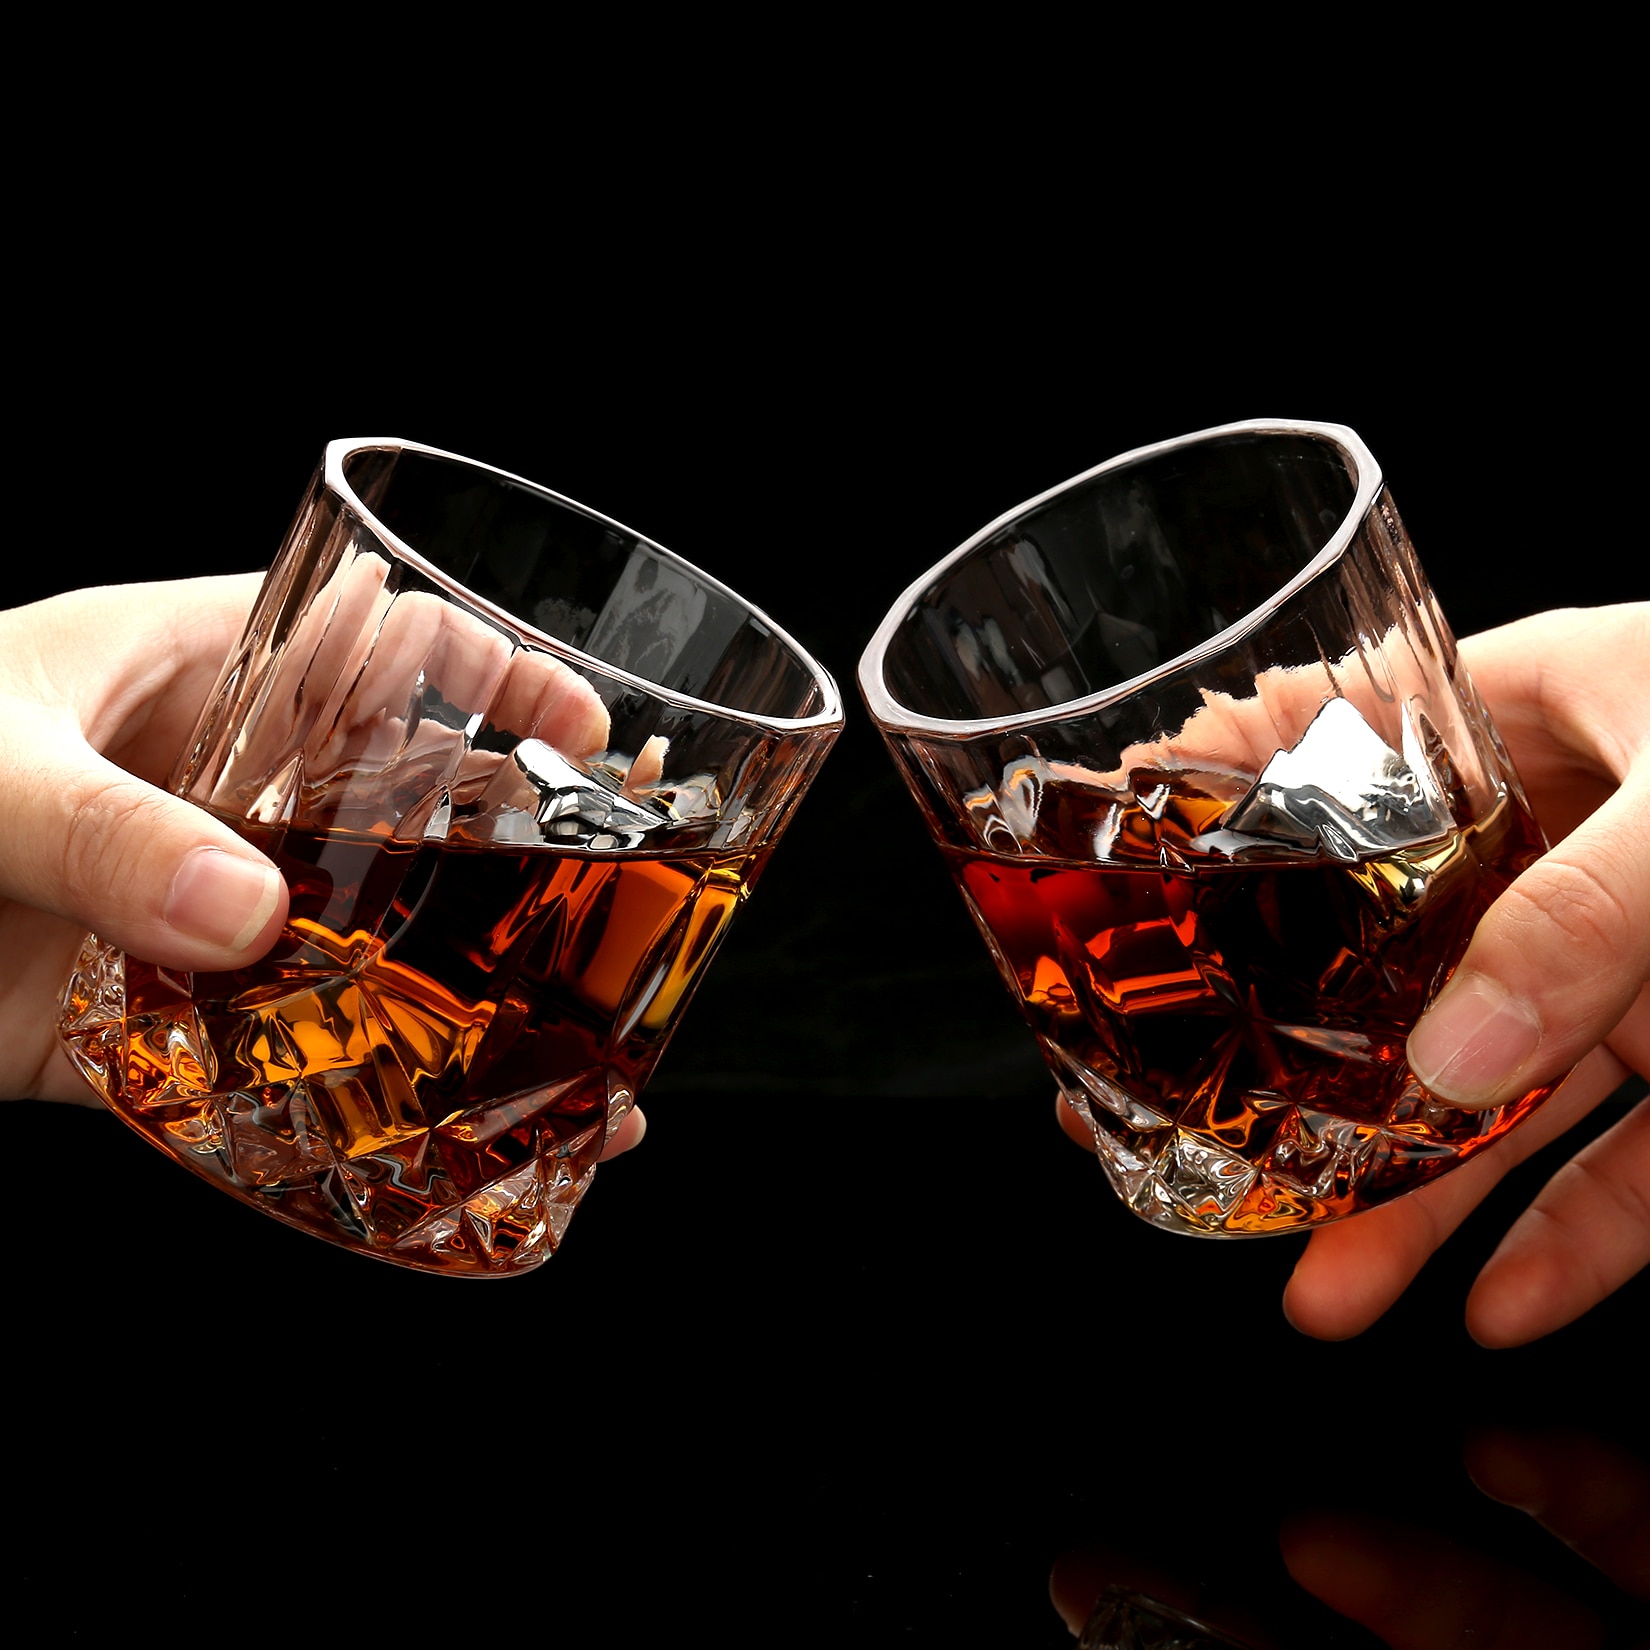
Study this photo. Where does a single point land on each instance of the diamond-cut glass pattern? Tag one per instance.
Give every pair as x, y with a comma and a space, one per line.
1236, 1042
426, 1101
511, 847
1199, 750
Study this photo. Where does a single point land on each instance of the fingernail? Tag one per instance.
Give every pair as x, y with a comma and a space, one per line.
1472, 1039
221, 899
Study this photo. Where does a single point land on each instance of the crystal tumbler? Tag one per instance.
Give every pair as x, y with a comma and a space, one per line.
1194, 739
500, 901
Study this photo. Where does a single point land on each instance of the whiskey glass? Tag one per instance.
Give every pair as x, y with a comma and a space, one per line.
1202, 759
493, 930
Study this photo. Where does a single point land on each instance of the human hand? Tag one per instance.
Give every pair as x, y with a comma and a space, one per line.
99, 691
1556, 976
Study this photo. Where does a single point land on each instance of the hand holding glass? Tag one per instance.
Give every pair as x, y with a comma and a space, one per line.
519, 767
1195, 741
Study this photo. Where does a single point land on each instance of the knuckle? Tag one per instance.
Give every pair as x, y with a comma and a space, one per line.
1599, 1190
1567, 691
1577, 897
1583, 1193
1566, 1241
104, 839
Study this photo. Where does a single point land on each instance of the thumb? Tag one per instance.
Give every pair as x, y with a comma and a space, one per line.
1554, 965
145, 870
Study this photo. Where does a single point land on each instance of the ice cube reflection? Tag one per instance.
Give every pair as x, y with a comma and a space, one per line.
1341, 791
539, 795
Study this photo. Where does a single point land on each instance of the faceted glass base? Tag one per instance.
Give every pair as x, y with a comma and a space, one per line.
1234, 1038
487, 1193
1318, 1166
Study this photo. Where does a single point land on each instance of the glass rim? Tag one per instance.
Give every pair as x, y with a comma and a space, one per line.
892, 716
334, 481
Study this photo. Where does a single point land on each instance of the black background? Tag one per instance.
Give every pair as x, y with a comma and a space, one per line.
856, 1345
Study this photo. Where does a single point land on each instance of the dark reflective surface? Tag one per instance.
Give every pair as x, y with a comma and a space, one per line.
1508, 1534
928, 1380
856, 1349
